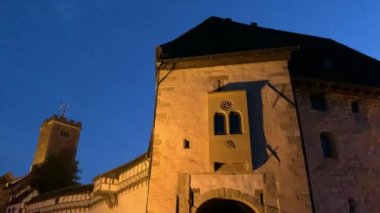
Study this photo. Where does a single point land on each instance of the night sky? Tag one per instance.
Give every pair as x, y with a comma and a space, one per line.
99, 57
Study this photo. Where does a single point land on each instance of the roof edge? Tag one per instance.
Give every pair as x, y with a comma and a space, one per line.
252, 56
124, 166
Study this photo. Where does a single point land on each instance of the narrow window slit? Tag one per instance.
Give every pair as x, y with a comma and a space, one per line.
355, 107
328, 145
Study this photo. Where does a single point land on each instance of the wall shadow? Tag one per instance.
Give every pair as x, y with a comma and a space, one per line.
255, 113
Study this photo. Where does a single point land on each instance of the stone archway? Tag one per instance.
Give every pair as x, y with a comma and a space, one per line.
218, 205
224, 198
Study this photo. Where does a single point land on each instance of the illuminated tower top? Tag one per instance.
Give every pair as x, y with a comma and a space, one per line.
58, 136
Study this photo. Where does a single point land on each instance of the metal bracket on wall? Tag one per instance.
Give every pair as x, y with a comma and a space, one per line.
279, 93
273, 152
167, 74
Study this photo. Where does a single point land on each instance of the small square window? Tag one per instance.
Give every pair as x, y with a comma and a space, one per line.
186, 144
318, 101
355, 107
217, 166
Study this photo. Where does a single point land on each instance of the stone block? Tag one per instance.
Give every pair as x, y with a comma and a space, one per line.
294, 139
166, 89
303, 196
228, 193
236, 194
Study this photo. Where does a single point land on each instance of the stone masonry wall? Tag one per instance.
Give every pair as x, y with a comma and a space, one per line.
355, 173
182, 115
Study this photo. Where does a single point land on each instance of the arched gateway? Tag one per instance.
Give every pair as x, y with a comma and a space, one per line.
226, 200
224, 206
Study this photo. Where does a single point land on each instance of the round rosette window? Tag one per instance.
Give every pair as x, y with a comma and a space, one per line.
226, 105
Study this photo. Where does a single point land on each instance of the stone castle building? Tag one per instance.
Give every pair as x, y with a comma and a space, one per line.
247, 119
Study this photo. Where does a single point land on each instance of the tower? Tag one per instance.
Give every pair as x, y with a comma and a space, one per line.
58, 136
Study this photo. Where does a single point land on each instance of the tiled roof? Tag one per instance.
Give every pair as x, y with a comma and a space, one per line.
316, 57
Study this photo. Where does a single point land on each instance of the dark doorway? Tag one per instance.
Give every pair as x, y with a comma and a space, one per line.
224, 206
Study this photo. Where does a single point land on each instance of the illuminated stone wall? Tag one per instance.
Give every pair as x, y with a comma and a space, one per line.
131, 200
182, 177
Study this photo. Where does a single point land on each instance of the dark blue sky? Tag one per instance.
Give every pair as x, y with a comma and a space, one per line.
99, 57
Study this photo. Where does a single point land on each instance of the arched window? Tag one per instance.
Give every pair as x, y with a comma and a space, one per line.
351, 205
235, 123
219, 124
328, 145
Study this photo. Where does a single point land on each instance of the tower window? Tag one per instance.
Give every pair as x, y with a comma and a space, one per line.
235, 123
328, 145
219, 124
355, 107
65, 134
318, 101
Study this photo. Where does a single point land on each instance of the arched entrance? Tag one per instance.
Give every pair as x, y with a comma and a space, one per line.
218, 205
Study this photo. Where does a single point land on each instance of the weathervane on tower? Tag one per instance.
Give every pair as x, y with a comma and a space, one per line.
63, 108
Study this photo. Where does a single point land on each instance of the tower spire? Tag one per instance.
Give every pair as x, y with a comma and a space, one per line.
63, 109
